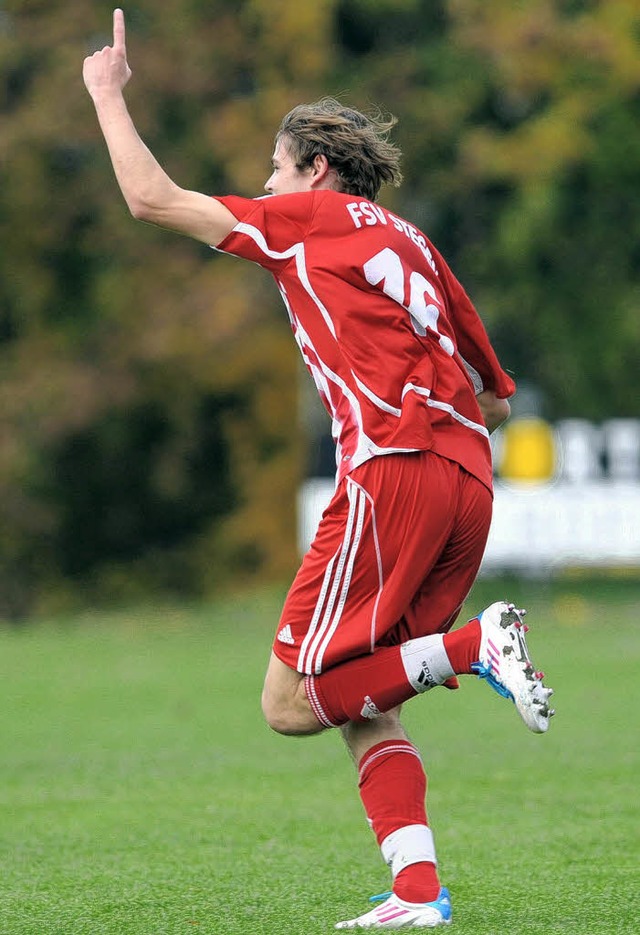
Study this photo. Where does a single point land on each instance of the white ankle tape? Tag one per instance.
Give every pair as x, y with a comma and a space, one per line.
412, 844
426, 662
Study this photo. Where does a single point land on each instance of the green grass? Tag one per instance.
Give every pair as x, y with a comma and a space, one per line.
141, 793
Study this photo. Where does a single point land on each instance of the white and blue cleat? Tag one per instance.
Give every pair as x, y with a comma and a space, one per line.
505, 664
395, 913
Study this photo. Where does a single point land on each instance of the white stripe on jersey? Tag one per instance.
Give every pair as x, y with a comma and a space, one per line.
380, 403
366, 447
296, 250
321, 380
445, 407
420, 390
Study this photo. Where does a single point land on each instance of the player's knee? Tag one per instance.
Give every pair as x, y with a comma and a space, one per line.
289, 716
275, 715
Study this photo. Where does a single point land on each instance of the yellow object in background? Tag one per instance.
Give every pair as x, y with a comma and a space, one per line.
528, 450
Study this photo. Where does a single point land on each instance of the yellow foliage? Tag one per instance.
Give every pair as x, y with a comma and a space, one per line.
560, 67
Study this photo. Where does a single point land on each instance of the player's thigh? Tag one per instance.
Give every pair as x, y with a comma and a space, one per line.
384, 533
327, 614
447, 584
419, 523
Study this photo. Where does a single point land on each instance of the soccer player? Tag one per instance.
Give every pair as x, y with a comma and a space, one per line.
413, 387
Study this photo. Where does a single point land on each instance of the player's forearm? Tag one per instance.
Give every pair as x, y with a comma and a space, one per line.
146, 187
149, 192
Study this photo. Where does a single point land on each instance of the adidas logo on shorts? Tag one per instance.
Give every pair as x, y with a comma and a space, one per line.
286, 636
370, 711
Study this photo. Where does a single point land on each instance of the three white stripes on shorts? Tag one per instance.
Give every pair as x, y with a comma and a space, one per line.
335, 587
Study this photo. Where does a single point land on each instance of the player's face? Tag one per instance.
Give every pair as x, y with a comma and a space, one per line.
286, 176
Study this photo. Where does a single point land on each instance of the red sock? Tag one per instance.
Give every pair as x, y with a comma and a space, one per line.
362, 688
417, 883
462, 646
392, 787
375, 683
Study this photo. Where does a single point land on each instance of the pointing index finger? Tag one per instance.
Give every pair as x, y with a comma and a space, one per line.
118, 31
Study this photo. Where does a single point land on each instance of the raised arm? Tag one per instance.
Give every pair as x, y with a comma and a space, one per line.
148, 191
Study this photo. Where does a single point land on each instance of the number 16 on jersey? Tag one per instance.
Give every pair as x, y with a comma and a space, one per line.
386, 268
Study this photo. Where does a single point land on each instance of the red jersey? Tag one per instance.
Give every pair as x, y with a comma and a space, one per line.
392, 341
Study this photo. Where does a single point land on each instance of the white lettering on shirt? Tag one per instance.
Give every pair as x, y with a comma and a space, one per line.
364, 210
416, 237
366, 213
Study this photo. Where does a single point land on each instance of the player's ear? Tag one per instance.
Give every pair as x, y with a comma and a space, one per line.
319, 168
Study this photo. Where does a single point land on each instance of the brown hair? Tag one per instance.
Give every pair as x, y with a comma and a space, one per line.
355, 144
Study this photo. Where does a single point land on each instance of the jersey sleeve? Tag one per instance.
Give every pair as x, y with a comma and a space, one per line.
472, 340
270, 230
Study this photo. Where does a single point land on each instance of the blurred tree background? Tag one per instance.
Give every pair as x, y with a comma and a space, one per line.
148, 387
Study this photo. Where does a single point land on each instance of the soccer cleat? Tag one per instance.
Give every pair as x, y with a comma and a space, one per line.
394, 913
506, 666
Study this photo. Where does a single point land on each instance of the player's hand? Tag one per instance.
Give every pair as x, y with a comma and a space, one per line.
107, 71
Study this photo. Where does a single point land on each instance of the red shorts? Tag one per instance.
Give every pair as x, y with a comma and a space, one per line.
394, 557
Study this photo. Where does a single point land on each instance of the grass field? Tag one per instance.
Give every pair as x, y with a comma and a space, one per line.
141, 793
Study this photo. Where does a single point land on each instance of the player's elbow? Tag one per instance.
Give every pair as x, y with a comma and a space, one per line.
141, 209
152, 200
